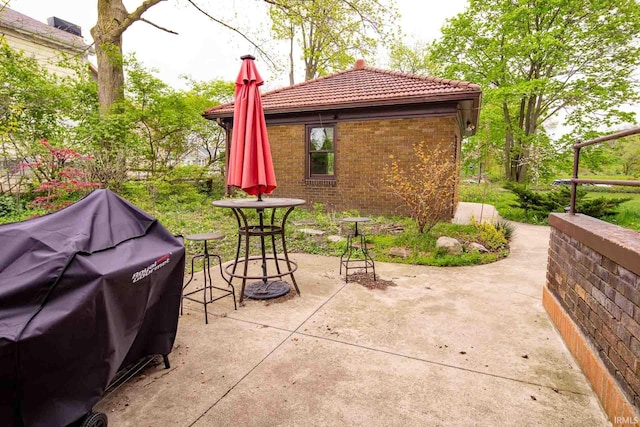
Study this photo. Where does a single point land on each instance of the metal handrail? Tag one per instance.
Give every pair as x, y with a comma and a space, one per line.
575, 181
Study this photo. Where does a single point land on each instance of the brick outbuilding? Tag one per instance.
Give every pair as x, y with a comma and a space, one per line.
331, 137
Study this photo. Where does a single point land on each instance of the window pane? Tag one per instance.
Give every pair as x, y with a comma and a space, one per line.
321, 138
322, 163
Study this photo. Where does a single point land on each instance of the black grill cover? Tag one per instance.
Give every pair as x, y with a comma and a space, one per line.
83, 292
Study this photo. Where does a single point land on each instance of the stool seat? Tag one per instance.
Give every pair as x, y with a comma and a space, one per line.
204, 236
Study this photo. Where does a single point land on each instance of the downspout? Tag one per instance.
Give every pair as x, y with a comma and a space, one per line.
456, 183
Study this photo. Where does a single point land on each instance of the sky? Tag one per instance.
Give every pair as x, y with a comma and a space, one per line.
205, 50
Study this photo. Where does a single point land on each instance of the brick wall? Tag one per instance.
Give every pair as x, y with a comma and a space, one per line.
362, 151
593, 272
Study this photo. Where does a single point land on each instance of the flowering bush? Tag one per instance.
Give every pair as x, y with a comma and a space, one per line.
492, 237
62, 180
427, 187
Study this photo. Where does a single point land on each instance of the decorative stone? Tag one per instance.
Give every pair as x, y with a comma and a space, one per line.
399, 252
303, 222
312, 231
450, 244
335, 239
479, 247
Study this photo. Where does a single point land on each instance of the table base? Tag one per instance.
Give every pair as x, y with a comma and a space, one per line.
269, 290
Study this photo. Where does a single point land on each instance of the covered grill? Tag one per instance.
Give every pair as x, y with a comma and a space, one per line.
83, 292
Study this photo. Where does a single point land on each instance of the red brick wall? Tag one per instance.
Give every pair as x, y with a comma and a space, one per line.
362, 150
593, 271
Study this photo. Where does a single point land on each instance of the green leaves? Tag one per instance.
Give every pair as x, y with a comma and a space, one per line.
34, 104
331, 33
413, 59
539, 204
154, 128
538, 59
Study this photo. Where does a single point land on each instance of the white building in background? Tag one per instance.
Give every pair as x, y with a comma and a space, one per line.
48, 43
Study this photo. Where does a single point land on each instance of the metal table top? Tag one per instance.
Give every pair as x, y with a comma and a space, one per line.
251, 203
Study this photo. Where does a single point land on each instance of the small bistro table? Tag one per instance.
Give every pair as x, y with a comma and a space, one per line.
264, 288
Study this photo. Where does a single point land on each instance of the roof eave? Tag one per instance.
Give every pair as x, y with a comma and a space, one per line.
78, 46
458, 96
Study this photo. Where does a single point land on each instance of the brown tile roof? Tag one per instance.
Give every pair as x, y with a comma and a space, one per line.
358, 87
23, 24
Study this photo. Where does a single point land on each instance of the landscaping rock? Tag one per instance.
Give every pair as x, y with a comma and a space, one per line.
312, 231
451, 245
335, 239
399, 252
304, 222
480, 248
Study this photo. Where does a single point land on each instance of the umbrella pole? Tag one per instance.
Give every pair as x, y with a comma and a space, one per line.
264, 256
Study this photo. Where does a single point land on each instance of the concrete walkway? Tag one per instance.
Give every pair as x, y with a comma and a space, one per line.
446, 346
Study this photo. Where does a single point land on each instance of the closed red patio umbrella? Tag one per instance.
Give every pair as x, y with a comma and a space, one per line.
250, 164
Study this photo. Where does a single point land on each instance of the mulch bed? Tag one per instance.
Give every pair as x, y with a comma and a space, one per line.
366, 280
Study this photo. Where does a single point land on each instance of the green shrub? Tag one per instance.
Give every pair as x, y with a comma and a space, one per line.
538, 204
507, 228
491, 237
8, 205
601, 206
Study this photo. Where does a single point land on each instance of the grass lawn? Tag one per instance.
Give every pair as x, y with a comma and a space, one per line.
628, 213
184, 211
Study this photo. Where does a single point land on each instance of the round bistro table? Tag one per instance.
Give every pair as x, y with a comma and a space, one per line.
264, 287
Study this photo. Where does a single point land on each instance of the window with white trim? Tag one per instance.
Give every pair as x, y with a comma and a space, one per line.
321, 143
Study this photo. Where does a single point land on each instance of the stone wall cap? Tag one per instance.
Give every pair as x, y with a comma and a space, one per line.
619, 244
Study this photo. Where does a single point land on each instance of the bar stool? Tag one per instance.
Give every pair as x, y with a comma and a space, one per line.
206, 272
365, 261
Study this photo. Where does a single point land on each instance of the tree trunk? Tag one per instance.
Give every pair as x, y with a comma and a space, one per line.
110, 73
113, 20
508, 143
291, 58
518, 172
107, 34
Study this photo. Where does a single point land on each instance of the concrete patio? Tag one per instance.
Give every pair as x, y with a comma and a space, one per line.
446, 346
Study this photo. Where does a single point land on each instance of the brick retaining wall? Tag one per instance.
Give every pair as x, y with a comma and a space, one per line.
594, 275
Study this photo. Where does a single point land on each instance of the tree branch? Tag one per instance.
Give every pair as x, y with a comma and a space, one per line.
224, 24
136, 15
158, 26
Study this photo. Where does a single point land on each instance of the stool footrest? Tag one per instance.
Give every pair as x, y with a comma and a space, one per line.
362, 261
208, 281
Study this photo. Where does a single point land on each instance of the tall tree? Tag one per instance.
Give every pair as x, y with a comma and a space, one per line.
413, 58
538, 58
113, 21
628, 154
330, 33
169, 121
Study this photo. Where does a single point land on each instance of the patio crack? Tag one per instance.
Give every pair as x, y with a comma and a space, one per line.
291, 333
445, 365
